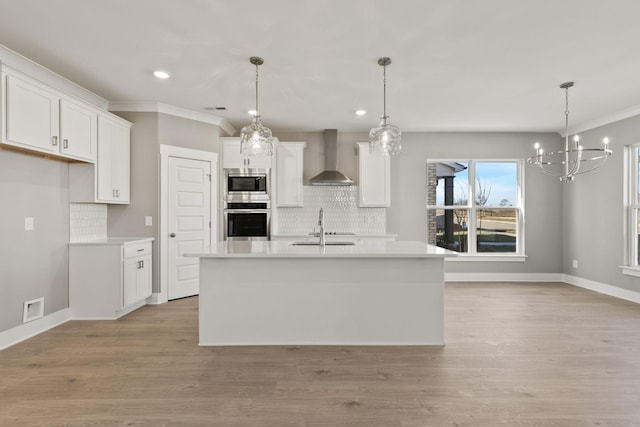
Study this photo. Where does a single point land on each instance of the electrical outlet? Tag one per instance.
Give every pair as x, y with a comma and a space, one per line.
28, 223
148, 221
575, 263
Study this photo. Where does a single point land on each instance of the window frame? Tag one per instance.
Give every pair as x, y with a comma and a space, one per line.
472, 254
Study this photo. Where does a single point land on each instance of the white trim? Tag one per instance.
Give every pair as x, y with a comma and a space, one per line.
155, 299
15, 61
503, 277
489, 258
27, 330
602, 121
580, 282
159, 107
167, 151
602, 288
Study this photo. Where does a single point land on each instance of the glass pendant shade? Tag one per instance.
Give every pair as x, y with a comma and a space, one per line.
385, 139
255, 138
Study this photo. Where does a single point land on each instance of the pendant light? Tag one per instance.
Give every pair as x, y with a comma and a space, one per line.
256, 139
574, 159
385, 139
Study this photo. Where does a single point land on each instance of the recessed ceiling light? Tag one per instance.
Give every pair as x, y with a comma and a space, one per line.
161, 74
361, 112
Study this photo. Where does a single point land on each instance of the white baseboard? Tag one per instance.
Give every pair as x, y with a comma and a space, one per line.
33, 328
602, 288
156, 298
503, 277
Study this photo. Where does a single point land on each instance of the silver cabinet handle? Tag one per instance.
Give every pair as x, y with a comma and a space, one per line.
172, 235
113, 193
117, 193
65, 143
54, 141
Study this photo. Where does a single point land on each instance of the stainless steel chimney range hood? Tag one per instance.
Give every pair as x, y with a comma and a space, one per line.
330, 175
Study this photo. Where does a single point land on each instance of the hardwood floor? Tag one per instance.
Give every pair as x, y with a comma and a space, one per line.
517, 355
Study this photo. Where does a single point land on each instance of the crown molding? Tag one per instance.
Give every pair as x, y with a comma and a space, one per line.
602, 121
159, 107
10, 59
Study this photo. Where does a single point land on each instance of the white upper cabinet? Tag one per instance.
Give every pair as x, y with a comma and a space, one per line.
78, 131
374, 178
232, 159
113, 166
31, 113
39, 118
289, 168
108, 180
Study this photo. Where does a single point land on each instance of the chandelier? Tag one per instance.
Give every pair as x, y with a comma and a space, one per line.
574, 159
385, 139
256, 139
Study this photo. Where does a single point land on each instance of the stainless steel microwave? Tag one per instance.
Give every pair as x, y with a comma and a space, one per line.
246, 184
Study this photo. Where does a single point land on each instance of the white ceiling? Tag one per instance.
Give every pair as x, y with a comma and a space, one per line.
458, 65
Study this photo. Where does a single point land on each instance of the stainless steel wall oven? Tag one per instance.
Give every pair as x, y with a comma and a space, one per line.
247, 220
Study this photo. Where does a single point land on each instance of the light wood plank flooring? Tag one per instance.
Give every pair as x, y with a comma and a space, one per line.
517, 355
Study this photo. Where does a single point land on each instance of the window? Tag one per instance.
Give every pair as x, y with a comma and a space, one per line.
475, 207
632, 175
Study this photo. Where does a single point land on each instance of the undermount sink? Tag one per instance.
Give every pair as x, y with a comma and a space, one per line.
325, 243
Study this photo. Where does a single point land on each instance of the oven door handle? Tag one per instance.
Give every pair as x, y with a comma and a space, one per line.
235, 211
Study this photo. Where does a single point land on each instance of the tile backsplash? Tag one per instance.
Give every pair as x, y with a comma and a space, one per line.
341, 212
87, 221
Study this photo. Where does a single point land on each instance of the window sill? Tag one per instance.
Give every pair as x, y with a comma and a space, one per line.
489, 258
630, 271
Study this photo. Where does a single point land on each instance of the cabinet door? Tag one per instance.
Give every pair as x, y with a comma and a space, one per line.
130, 281
113, 164
78, 131
104, 165
374, 178
143, 279
120, 162
31, 116
232, 159
289, 166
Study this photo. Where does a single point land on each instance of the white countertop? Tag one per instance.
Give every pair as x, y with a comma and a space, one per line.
363, 249
113, 241
333, 236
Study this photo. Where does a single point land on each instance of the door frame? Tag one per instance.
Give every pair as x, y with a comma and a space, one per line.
167, 151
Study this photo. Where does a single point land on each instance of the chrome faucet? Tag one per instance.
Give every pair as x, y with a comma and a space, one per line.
321, 224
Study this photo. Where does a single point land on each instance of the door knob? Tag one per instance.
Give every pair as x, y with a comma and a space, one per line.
172, 235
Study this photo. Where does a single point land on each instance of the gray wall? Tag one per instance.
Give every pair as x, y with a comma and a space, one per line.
148, 132
407, 214
593, 211
33, 264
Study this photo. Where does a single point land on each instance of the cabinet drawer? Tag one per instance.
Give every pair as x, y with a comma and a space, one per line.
137, 249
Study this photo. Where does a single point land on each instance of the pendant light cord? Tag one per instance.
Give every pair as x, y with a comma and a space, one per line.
257, 113
384, 90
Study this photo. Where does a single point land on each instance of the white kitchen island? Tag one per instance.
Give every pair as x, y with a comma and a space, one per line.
275, 293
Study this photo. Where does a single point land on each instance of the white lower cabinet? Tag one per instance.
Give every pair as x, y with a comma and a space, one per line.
109, 279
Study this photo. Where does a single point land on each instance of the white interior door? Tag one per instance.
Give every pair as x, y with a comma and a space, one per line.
188, 222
